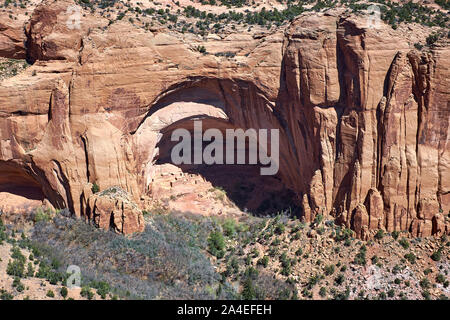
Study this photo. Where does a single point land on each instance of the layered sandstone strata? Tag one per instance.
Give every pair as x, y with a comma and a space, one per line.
363, 117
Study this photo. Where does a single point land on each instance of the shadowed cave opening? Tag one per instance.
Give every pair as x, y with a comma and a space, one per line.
16, 181
20, 193
243, 184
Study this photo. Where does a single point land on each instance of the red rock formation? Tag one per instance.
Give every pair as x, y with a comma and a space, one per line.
363, 117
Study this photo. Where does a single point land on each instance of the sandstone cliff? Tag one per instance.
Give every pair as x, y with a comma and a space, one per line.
363, 116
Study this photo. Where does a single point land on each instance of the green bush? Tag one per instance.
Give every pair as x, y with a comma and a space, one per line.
64, 292
229, 227
18, 285
103, 288
30, 270
391, 293
339, 279
404, 243
248, 290
279, 228
436, 256
360, 257
201, 49
264, 261
216, 244
432, 38
329, 270
41, 215
318, 219
379, 235
95, 188
5, 295
50, 294
410, 257
425, 283
426, 295
87, 293
440, 278
15, 268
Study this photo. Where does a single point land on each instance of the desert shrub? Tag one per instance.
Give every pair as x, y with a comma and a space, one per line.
5, 295
436, 256
18, 285
313, 280
396, 269
169, 254
16, 254
30, 270
404, 243
15, 268
3, 235
418, 46
432, 38
234, 265
95, 188
440, 278
425, 283
329, 270
343, 234
379, 235
426, 295
395, 234
342, 295
87, 293
411, 257
391, 293
339, 279
323, 292
201, 49
360, 257
41, 215
264, 261
279, 228
318, 219
251, 272
229, 227
50, 294
374, 259
64, 292
248, 290
216, 244
286, 264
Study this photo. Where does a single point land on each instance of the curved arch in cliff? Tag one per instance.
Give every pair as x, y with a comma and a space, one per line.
20, 192
220, 104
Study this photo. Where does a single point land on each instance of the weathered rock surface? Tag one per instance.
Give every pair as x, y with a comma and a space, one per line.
363, 117
112, 209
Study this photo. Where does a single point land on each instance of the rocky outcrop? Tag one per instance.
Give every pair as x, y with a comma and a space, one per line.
12, 38
112, 209
363, 116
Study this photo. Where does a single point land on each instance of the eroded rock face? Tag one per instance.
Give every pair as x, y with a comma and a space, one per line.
363, 117
112, 209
